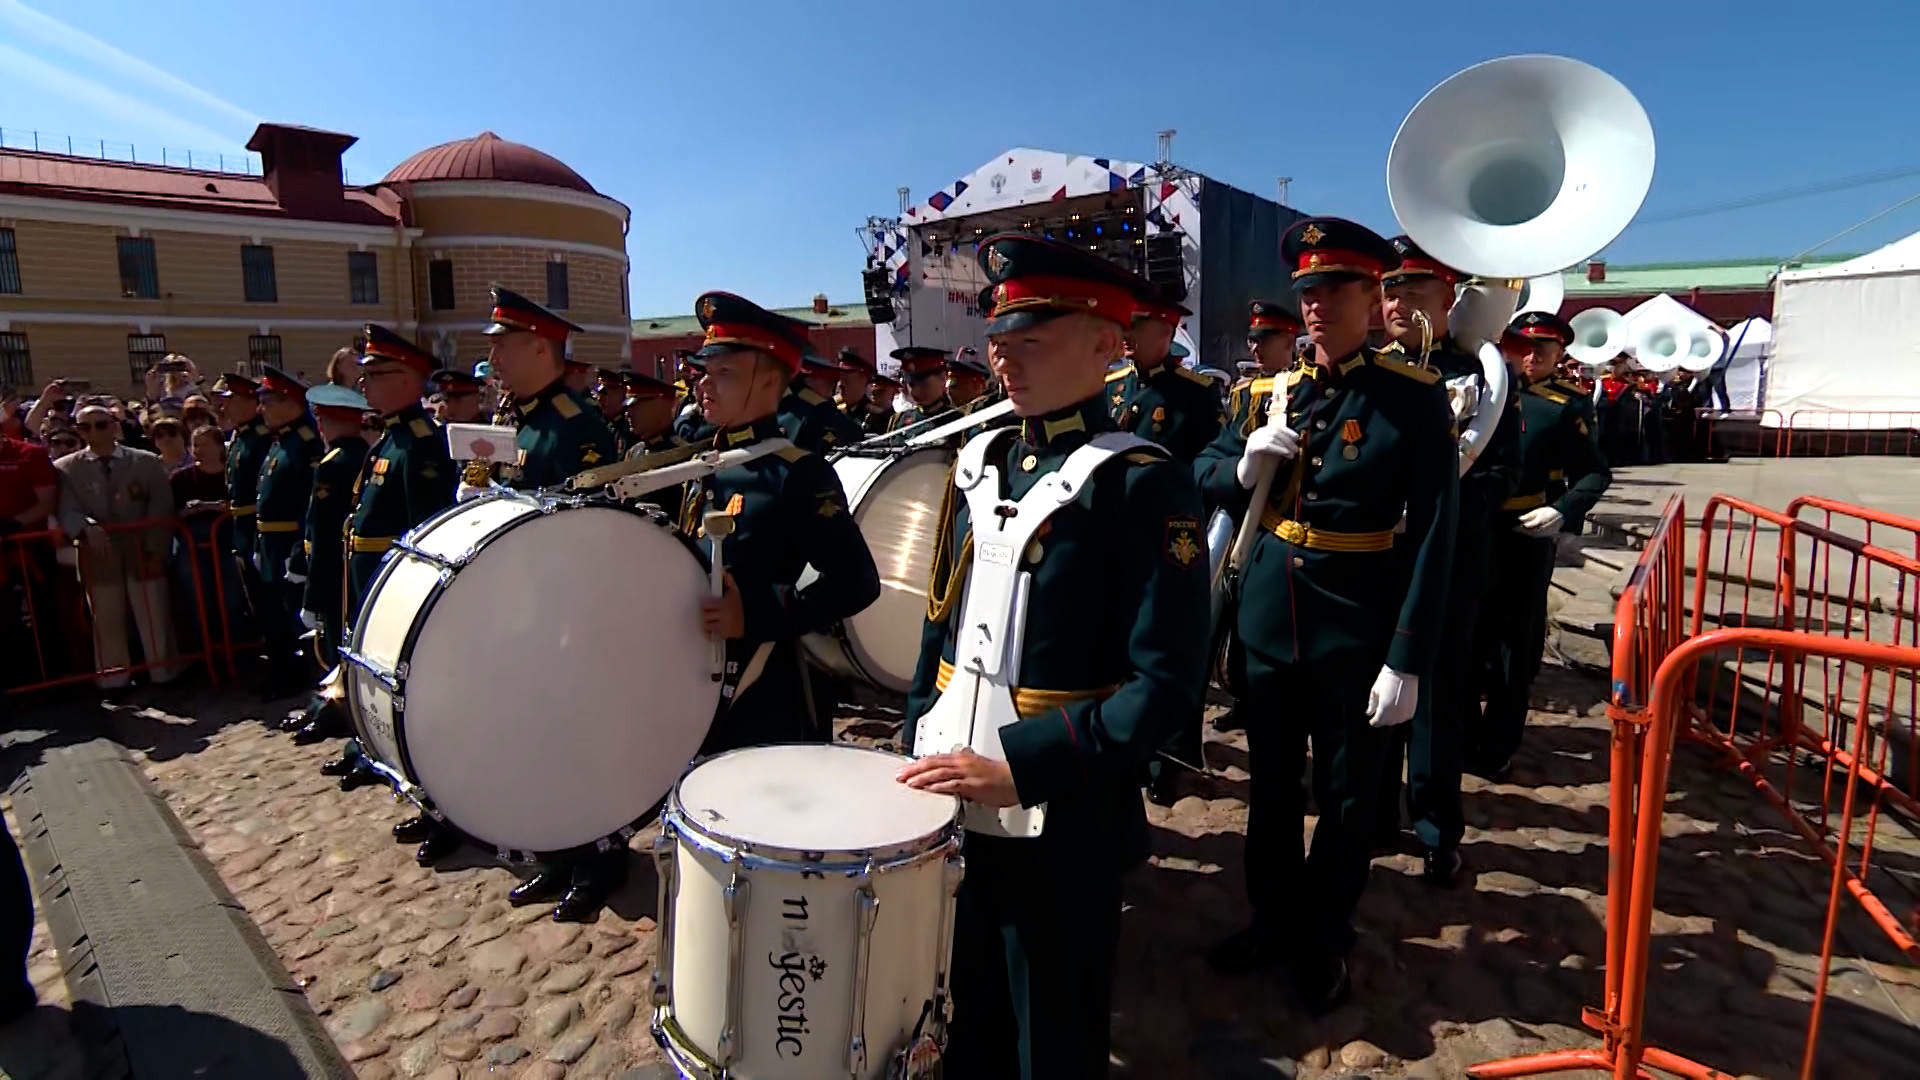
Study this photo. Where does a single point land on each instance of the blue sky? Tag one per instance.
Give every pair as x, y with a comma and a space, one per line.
751, 137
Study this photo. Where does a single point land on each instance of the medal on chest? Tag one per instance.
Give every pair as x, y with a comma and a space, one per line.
1350, 433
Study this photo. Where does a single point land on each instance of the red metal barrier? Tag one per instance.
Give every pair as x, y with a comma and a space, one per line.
1811, 691
1830, 432
33, 558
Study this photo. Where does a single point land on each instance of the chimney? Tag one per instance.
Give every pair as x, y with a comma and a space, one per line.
1596, 271
301, 165
820, 303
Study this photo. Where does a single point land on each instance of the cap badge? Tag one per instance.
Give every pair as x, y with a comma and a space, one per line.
996, 262
706, 308
1312, 235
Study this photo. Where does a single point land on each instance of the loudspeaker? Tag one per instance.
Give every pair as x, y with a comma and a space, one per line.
878, 286
1167, 264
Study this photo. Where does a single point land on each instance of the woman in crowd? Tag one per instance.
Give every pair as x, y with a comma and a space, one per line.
170, 442
200, 491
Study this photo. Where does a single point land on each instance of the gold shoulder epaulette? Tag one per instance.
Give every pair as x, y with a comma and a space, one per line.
1400, 366
811, 397
565, 407
1193, 376
1265, 384
793, 453
1542, 390
330, 455
1143, 457
420, 428
307, 434
1116, 376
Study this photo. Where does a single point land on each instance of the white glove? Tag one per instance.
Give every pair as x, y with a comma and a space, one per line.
295, 578
1541, 521
259, 563
1463, 393
470, 491
1392, 698
309, 620
1275, 440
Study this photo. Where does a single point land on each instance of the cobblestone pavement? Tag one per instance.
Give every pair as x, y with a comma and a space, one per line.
429, 973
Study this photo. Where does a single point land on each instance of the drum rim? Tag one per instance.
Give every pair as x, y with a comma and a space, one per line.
540, 505
680, 1049
732, 849
861, 660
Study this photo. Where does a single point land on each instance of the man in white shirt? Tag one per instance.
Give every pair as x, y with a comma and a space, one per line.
99, 486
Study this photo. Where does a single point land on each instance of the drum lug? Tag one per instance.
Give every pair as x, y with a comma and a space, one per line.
735, 896
869, 912
666, 864
954, 870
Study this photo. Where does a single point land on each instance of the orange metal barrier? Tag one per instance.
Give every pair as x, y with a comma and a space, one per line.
1817, 662
1826, 433
60, 613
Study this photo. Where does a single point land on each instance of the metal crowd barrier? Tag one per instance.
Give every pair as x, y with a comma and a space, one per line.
1795, 659
58, 636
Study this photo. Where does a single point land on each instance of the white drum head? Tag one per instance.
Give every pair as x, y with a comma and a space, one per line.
561, 683
812, 798
898, 515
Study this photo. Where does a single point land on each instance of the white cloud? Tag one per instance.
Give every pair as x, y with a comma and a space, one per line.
154, 122
81, 44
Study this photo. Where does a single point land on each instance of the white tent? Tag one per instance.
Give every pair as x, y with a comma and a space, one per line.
1750, 341
1846, 343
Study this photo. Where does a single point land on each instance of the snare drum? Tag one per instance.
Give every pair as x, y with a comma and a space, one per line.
895, 499
806, 905
531, 669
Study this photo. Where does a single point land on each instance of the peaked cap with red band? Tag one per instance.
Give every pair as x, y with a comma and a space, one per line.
1155, 304
851, 360
234, 383
734, 322
1415, 262
641, 387
1035, 280
919, 360
1266, 317
275, 381
1541, 326
515, 314
1325, 250
456, 382
385, 345
968, 360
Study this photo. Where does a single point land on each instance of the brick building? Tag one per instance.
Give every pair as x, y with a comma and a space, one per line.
106, 266
836, 326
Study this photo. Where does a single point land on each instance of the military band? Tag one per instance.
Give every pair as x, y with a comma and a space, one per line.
1379, 586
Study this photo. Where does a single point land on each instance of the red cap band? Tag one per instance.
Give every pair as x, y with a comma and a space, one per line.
1112, 302
1331, 261
532, 323
748, 336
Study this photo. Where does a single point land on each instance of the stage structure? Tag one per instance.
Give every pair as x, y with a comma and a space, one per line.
1207, 243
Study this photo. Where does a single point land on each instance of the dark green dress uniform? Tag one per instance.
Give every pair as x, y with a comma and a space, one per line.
1111, 651
407, 477
813, 423
246, 455
1560, 467
789, 512
1434, 740
918, 362
1167, 402
560, 435
325, 549
1325, 601
286, 486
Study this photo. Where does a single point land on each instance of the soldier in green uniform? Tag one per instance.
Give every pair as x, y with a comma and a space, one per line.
1433, 742
561, 434
322, 558
578, 375
923, 374
809, 418
789, 512
1337, 627
406, 479
610, 394
1561, 476
967, 378
1162, 400
460, 397
1157, 397
286, 483
855, 395
880, 399
1117, 589
650, 405
239, 404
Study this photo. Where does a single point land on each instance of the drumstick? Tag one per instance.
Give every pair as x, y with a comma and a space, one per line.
719, 525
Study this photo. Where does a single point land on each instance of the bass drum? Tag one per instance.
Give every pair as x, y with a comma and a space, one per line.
531, 669
895, 498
